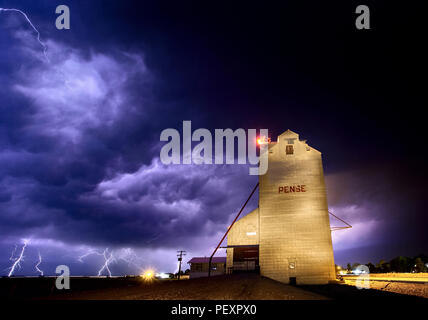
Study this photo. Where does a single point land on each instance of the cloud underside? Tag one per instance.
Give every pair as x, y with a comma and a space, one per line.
79, 168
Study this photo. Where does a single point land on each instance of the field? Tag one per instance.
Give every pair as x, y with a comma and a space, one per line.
404, 283
233, 287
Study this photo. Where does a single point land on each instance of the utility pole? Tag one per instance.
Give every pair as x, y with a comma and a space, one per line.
180, 254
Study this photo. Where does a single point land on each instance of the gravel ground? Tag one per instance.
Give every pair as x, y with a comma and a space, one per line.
236, 287
414, 289
231, 287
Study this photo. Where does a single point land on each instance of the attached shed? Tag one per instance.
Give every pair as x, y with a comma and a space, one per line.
199, 266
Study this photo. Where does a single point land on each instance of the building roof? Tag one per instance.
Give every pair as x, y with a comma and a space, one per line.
207, 260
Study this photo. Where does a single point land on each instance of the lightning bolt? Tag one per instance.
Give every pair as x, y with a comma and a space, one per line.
130, 257
13, 253
45, 48
37, 265
88, 254
108, 259
17, 261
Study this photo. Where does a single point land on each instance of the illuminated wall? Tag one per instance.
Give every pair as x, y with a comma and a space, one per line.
245, 231
293, 229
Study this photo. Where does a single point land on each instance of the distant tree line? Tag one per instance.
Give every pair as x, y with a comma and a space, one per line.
398, 264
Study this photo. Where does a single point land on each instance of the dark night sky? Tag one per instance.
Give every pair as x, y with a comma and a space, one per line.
79, 135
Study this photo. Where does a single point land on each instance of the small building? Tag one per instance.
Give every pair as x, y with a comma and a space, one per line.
199, 266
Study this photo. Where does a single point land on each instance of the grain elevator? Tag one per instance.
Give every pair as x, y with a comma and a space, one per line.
287, 238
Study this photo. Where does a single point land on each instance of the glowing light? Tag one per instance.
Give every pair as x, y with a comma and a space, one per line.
358, 271
148, 275
162, 275
263, 140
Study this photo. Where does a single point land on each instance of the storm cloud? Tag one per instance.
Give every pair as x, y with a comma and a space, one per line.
67, 166
79, 134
